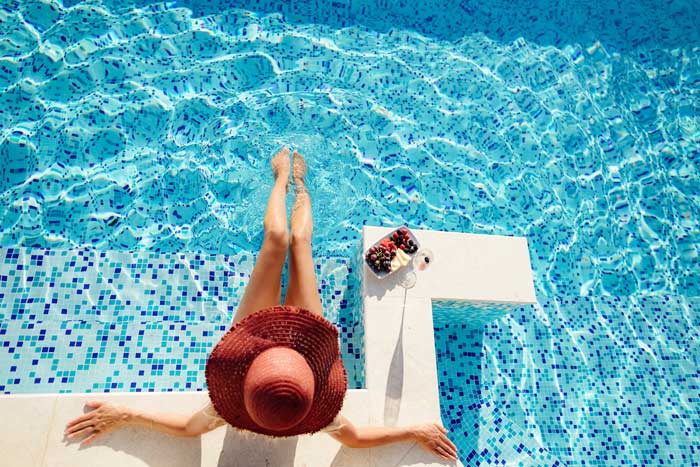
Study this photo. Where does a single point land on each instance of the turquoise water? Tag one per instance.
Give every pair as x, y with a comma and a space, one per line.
573, 380
147, 127
152, 129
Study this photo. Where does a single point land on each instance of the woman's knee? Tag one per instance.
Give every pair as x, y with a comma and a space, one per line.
300, 239
277, 238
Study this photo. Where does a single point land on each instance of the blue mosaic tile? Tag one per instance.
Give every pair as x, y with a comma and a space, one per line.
473, 312
589, 380
89, 321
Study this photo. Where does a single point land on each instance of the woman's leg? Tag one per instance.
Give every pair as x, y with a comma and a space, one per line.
303, 289
264, 287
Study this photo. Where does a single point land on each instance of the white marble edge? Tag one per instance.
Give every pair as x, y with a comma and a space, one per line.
467, 267
38, 440
402, 379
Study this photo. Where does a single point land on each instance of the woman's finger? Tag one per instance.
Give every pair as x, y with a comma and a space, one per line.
85, 431
82, 418
441, 428
80, 426
439, 451
91, 438
449, 442
446, 447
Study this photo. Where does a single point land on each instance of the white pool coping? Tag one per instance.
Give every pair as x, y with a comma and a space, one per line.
32, 435
401, 377
401, 370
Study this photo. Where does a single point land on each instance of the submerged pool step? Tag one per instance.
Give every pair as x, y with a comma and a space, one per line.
89, 356
490, 437
118, 286
576, 377
84, 320
64, 284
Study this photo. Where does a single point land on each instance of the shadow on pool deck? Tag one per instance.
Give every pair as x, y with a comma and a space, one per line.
256, 451
394, 385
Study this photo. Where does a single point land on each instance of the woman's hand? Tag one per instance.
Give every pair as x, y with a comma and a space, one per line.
104, 418
433, 438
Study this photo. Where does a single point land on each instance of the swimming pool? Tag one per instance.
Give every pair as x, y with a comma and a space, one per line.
135, 135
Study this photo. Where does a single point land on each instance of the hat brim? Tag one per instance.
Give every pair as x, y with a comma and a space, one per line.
314, 337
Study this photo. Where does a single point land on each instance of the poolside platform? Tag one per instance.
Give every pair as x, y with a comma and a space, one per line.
488, 273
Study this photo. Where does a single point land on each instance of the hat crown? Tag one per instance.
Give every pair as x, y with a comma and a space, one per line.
278, 389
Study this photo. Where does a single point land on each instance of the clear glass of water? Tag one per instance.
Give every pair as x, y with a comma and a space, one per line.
423, 259
420, 262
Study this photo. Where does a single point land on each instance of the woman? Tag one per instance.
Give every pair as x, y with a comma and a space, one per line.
277, 371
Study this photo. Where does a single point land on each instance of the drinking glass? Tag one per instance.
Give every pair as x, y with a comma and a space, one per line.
420, 262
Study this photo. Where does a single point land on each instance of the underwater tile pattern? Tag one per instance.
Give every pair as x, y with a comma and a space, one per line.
591, 380
85, 320
469, 312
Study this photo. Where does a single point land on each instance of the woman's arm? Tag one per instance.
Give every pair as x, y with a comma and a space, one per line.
106, 417
430, 436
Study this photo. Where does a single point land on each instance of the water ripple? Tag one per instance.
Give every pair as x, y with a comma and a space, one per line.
152, 128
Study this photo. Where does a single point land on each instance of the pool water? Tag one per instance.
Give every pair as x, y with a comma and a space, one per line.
572, 380
134, 170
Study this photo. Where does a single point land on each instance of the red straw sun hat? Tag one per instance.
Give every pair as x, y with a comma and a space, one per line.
278, 372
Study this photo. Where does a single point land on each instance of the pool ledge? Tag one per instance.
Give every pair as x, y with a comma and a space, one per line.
35, 436
483, 271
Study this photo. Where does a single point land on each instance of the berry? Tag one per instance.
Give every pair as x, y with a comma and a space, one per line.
404, 231
373, 257
403, 247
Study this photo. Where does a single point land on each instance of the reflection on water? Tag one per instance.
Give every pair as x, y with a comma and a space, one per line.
151, 129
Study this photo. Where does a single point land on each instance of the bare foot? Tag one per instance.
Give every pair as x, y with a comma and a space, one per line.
280, 163
298, 168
